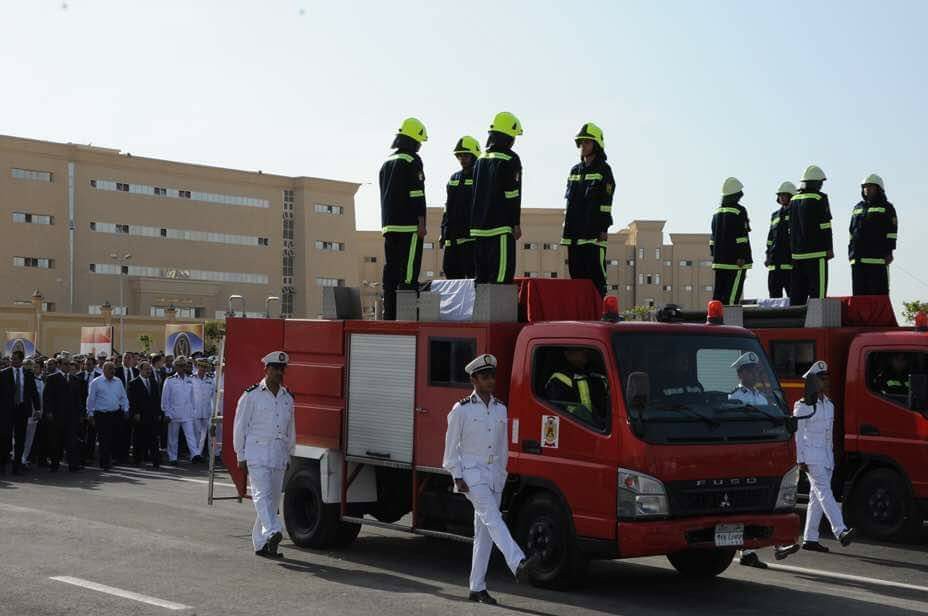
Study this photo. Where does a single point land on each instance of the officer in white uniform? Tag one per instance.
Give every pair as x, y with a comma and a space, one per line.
204, 392
476, 454
264, 437
178, 404
815, 414
747, 366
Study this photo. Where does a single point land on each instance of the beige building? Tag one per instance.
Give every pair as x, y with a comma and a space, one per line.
86, 225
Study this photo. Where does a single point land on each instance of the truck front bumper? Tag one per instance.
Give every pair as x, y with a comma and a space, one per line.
659, 537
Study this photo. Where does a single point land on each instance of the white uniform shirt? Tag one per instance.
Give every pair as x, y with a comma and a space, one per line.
814, 435
204, 390
177, 399
748, 395
477, 442
264, 432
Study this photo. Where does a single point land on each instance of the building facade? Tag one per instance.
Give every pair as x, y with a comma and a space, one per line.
88, 225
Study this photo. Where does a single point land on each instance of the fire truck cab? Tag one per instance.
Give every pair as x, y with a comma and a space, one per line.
657, 459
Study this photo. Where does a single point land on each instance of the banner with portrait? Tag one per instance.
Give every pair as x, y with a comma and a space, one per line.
19, 341
97, 340
183, 339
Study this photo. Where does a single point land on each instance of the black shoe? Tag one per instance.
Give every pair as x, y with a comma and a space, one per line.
266, 553
17, 469
173, 462
482, 597
196, 460
274, 541
75, 469
750, 559
781, 552
523, 571
847, 537
815, 546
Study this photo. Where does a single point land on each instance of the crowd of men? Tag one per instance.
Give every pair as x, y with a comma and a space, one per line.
119, 409
482, 221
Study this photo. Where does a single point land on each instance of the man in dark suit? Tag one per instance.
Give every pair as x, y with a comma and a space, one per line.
122, 435
62, 404
87, 430
18, 397
146, 416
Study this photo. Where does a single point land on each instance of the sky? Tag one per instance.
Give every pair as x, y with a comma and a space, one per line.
687, 93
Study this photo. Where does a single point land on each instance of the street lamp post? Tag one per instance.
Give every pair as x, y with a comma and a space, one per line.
120, 259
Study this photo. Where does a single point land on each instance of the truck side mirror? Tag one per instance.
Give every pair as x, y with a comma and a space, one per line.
918, 392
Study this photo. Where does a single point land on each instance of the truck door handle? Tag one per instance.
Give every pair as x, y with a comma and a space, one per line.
531, 446
868, 430
377, 454
419, 409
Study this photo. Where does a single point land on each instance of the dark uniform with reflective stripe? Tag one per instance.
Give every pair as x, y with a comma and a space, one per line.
811, 244
402, 202
458, 260
873, 239
496, 209
779, 260
589, 214
730, 244
576, 393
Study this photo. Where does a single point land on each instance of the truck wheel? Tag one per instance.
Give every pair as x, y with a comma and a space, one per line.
310, 522
881, 508
701, 563
543, 526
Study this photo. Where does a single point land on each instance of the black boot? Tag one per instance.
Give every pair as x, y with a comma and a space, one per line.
482, 597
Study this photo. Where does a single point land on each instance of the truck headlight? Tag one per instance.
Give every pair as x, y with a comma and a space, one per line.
786, 498
641, 496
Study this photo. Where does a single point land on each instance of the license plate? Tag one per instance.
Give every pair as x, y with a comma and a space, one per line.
729, 534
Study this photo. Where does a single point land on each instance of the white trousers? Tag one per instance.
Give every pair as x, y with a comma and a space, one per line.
31, 425
189, 434
489, 529
821, 500
267, 483
201, 426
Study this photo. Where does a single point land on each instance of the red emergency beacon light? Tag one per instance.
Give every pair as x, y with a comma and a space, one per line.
715, 312
921, 321
611, 309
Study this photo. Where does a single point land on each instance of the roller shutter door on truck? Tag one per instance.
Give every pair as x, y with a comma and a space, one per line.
381, 397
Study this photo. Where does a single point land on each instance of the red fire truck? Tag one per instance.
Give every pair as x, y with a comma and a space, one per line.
879, 388
663, 463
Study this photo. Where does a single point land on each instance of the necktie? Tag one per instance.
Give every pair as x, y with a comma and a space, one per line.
147, 387
17, 379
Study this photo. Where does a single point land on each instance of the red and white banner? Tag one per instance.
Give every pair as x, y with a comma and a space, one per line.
97, 340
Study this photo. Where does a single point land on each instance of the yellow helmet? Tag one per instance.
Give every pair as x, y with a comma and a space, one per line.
787, 187
467, 145
731, 186
506, 123
813, 174
414, 129
873, 179
591, 132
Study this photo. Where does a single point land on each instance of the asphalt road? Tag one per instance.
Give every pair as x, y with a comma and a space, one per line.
151, 533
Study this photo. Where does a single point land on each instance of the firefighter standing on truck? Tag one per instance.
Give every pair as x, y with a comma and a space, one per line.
497, 206
264, 437
810, 238
873, 239
730, 245
402, 212
779, 260
458, 260
589, 209
476, 455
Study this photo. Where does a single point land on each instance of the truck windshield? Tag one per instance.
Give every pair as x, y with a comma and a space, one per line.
696, 388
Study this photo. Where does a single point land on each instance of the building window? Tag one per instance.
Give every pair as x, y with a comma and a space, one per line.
668, 263
180, 313
640, 254
612, 262
39, 262
667, 287
706, 263
688, 287
34, 219
287, 265
552, 274
176, 193
430, 274
179, 234
322, 208
161, 192
146, 271
628, 287
547, 246
122, 187
428, 245
98, 309
329, 282
530, 246
708, 287
286, 304
657, 254
614, 287
330, 246
370, 259
649, 302
657, 279
640, 278
48, 306
31, 174
686, 263
630, 262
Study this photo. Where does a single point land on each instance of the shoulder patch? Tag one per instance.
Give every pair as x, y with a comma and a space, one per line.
464, 401
253, 387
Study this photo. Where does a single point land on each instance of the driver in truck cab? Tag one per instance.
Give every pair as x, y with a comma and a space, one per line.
747, 366
578, 389
893, 380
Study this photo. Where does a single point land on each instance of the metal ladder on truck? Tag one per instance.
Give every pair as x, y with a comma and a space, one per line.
215, 423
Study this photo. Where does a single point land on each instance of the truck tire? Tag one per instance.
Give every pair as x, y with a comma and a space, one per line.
310, 522
701, 563
881, 508
544, 526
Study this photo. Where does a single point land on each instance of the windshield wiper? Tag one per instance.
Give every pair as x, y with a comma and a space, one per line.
777, 419
692, 413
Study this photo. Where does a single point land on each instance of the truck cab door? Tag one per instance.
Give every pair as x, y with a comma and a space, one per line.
569, 443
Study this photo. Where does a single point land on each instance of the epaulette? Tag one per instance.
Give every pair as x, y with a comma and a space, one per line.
253, 387
287, 391
464, 400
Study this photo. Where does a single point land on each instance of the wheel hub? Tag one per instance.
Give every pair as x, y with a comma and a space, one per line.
882, 506
542, 539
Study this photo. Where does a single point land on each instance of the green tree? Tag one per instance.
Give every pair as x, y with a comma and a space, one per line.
213, 331
145, 340
638, 313
910, 309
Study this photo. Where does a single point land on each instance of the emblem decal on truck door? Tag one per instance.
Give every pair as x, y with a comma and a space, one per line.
550, 429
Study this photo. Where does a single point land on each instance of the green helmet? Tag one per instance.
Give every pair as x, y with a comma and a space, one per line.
506, 123
414, 129
590, 132
467, 145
